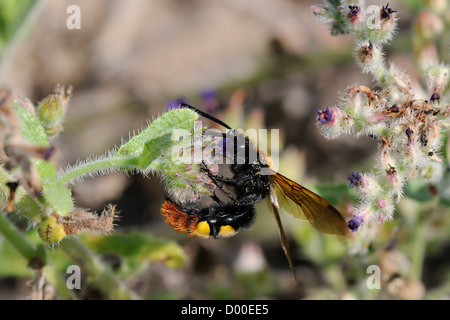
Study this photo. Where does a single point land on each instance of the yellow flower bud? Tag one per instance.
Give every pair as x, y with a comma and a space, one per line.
51, 230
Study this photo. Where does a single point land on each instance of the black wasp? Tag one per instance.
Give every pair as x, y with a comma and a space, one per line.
225, 219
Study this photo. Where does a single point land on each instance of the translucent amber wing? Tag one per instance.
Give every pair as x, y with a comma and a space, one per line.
305, 204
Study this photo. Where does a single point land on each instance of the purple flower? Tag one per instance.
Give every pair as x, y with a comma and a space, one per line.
325, 116
175, 103
208, 94
386, 12
209, 97
353, 10
355, 179
355, 223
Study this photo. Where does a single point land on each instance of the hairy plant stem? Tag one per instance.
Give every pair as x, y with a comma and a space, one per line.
97, 166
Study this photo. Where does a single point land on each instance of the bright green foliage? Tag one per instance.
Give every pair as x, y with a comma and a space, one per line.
31, 128
156, 139
57, 195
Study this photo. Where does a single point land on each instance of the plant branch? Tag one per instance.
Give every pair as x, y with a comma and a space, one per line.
97, 167
103, 275
17, 239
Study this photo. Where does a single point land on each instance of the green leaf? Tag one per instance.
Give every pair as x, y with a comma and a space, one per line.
57, 195
12, 263
135, 248
418, 190
24, 204
334, 193
156, 139
31, 128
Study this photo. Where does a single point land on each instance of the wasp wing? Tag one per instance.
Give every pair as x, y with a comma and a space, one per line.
305, 204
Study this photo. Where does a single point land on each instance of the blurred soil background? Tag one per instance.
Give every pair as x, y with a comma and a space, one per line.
130, 57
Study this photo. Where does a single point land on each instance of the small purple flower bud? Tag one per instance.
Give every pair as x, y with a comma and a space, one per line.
355, 223
353, 10
47, 153
325, 116
386, 12
435, 97
365, 53
175, 104
354, 14
355, 179
209, 97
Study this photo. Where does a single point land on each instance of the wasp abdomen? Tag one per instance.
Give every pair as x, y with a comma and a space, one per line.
179, 220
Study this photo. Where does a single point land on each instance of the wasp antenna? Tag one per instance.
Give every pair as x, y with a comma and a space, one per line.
204, 114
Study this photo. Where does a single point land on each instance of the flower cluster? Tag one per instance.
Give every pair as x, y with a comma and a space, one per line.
184, 170
29, 176
407, 125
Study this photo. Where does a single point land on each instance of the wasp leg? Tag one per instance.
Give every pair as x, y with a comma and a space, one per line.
216, 199
250, 199
222, 188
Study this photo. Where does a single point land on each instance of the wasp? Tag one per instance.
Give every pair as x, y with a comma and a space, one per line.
225, 218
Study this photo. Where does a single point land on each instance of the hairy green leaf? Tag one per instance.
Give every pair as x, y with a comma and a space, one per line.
31, 128
57, 195
156, 139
